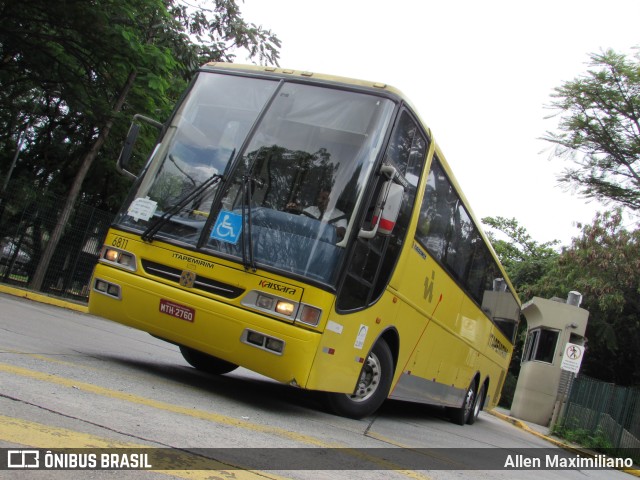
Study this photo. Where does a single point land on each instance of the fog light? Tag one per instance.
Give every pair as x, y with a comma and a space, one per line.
113, 290
107, 288
285, 308
255, 338
263, 342
275, 345
101, 285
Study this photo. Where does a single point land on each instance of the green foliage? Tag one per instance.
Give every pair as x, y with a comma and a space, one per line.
599, 130
604, 265
73, 72
586, 438
508, 390
525, 260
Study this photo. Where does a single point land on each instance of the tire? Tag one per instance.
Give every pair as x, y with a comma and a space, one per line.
477, 407
372, 388
206, 363
461, 414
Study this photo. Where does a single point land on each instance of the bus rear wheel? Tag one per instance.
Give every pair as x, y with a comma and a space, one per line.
372, 387
205, 362
477, 406
461, 414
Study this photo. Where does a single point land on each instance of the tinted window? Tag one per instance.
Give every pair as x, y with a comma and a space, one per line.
372, 261
447, 231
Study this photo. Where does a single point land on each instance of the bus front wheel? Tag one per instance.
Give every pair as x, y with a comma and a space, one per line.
206, 363
372, 387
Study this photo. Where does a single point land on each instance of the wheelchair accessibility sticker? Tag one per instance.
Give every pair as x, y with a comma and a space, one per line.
227, 227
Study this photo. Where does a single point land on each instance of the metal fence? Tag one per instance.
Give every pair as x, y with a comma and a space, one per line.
27, 219
608, 410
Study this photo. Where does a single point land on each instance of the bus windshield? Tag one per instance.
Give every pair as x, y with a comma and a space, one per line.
264, 171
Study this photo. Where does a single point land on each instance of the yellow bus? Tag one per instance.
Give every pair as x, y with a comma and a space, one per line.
307, 227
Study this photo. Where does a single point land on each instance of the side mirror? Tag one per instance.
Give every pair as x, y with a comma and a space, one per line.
388, 209
127, 149
387, 206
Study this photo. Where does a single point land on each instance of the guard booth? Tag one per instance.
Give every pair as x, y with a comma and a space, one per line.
552, 324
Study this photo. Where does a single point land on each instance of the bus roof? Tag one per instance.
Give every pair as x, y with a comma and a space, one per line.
286, 72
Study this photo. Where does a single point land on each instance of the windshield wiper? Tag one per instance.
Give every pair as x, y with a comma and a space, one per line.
247, 246
194, 194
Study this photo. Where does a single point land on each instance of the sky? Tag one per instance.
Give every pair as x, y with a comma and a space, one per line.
480, 75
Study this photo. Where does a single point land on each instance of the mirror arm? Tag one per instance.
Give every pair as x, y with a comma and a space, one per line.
127, 148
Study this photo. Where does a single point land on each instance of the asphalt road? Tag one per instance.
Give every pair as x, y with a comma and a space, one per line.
71, 380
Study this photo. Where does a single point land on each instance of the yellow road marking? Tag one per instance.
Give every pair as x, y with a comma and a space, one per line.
200, 414
38, 435
148, 402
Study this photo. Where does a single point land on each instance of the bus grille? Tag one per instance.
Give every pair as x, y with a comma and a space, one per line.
201, 283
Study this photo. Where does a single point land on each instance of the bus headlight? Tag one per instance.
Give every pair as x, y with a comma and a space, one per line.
284, 307
118, 257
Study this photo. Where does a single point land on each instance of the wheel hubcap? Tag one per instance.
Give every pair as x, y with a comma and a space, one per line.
369, 379
468, 402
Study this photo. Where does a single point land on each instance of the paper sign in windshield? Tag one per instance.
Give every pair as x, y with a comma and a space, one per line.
142, 208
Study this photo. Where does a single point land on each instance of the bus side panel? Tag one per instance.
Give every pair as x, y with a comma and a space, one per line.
433, 370
346, 342
458, 342
216, 327
493, 350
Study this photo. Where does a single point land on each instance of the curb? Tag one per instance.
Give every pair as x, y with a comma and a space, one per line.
557, 443
41, 298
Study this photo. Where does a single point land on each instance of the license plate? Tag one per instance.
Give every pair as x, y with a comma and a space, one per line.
176, 310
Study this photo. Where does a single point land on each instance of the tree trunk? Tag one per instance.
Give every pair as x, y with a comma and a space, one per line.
65, 214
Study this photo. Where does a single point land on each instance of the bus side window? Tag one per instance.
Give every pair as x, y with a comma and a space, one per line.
372, 261
438, 207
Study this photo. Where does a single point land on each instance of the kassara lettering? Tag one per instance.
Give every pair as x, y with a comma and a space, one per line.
277, 287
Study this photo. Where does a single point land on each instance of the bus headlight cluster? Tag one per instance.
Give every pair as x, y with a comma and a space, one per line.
118, 257
283, 308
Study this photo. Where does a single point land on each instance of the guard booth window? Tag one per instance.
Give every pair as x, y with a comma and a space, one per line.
540, 345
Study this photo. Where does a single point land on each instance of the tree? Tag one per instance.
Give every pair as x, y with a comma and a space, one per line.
80, 64
599, 130
604, 265
525, 260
